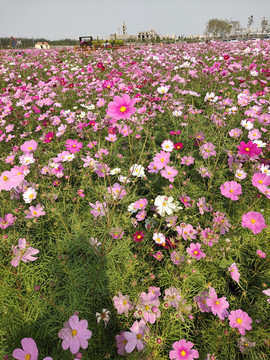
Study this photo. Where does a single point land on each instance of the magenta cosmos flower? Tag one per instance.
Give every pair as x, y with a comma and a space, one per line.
29, 350
239, 319
73, 146
183, 351
231, 189
121, 107
254, 221
75, 334
248, 148
195, 251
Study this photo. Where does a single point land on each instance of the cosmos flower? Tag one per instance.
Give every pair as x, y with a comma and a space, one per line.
239, 319
121, 107
254, 221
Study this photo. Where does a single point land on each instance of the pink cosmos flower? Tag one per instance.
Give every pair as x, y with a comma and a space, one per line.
248, 148
75, 334
254, 221
207, 150
169, 173
187, 160
140, 204
267, 292
260, 179
235, 274
218, 306
122, 303
176, 257
158, 256
239, 319
135, 336
117, 191
29, 350
161, 159
29, 146
260, 253
10, 179
173, 297
7, 221
121, 107
24, 253
201, 301
231, 189
121, 343
183, 351
195, 251
102, 170
73, 146
35, 212
98, 209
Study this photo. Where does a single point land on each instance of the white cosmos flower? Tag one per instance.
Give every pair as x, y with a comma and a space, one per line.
29, 195
115, 171
165, 205
137, 170
159, 238
259, 143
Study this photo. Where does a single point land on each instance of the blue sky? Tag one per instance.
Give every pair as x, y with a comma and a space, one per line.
59, 19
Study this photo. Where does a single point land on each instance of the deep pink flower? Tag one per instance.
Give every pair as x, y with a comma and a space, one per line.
235, 274
121, 107
75, 334
239, 319
29, 350
195, 251
231, 189
73, 146
254, 221
48, 137
248, 148
183, 351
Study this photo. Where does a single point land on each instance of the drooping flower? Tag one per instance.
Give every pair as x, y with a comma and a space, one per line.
254, 221
23, 253
75, 334
235, 274
29, 350
121, 107
183, 351
104, 315
240, 319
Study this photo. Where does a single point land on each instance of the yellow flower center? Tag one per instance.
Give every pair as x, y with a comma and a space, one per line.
74, 146
253, 221
123, 108
246, 149
31, 196
74, 332
34, 212
125, 302
161, 160
239, 321
231, 191
183, 353
139, 237
30, 148
260, 181
139, 336
217, 302
164, 204
5, 178
27, 357
195, 252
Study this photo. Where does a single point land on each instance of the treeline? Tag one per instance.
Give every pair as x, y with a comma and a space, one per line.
23, 43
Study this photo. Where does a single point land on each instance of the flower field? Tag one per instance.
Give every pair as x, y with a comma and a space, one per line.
134, 218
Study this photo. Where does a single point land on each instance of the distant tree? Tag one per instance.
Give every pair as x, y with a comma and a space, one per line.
218, 28
264, 25
250, 21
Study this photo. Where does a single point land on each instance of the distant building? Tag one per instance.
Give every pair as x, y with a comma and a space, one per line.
124, 36
147, 35
40, 45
